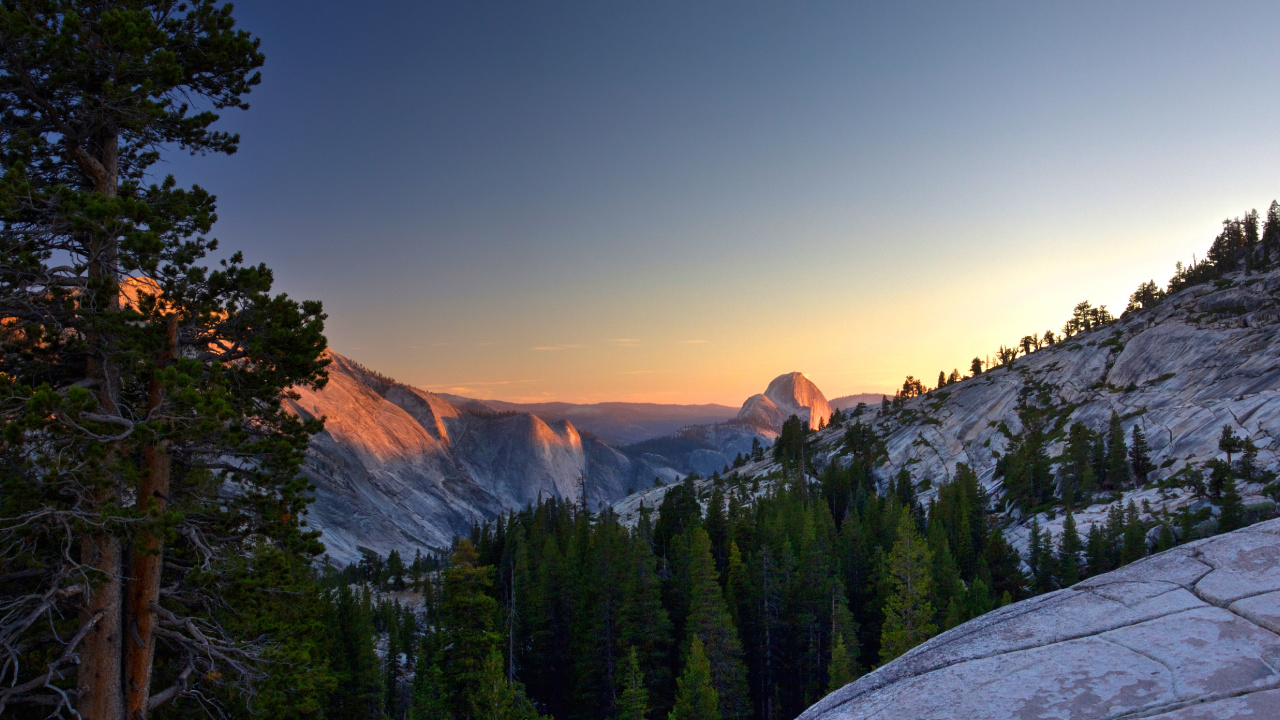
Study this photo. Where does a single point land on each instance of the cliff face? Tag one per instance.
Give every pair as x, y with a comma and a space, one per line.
401, 468
1203, 358
787, 395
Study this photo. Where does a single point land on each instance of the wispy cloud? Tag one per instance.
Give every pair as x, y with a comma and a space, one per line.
456, 387
637, 372
623, 341
694, 342
552, 348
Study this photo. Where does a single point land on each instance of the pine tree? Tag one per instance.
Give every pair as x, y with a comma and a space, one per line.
1135, 536
696, 698
359, 691
466, 617
1140, 456
1229, 443
709, 623
908, 616
428, 701
633, 701
1069, 549
116, 403
1232, 517
1096, 551
1271, 229
1117, 456
840, 670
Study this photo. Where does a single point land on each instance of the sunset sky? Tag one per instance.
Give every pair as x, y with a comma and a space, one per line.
678, 201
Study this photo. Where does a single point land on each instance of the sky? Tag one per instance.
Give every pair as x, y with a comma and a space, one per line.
677, 201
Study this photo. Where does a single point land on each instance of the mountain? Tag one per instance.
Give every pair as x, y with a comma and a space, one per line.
617, 423
1189, 633
787, 395
848, 402
1202, 358
401, 468
397, 467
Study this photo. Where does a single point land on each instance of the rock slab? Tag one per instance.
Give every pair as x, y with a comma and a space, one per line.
1187, 634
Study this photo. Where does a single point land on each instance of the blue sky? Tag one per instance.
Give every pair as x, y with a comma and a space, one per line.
676, 202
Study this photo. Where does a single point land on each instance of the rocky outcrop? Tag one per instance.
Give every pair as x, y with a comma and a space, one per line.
401, 468
1203, 358
1187, 634
787, 395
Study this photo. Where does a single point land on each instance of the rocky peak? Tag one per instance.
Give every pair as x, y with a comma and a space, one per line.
789, 394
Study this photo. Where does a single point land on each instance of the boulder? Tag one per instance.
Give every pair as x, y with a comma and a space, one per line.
1188, 634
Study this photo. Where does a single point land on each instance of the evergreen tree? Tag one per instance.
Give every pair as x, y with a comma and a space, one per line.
840, 671
1271, 229
130, 370
1069, 550
908, 616
1140, 456
633, 701
1135, 536
428, 701
975, 367
466, 614
696, 697
1229, 443
1232, 517
359, 691
708, 623
1096, 551
1040, 558
1117, 456
1219, 474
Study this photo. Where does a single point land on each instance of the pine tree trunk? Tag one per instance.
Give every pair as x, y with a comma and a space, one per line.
100, 679
99, 674
147, 557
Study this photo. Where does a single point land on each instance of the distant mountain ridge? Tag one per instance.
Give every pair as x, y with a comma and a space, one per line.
397, 467
617, 423
848, 402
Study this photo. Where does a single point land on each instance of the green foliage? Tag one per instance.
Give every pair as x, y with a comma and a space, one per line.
358, 694
131, 372
789, 448
908, 614
840, 671
467, 637
633, 700
696, 696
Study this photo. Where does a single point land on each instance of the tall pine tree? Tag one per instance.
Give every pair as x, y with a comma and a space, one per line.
908, 616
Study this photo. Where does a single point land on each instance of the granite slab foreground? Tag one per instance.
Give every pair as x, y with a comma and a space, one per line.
1189, 634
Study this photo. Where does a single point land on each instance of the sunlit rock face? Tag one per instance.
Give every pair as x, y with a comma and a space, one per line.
1202, 358
401, 468
1189, 634
787, 395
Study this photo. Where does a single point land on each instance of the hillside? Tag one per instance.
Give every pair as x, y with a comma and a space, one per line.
401, 468
1204, 357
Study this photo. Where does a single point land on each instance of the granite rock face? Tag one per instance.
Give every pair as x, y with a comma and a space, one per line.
787, 395
1202, 358
401, 468
1187, 634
